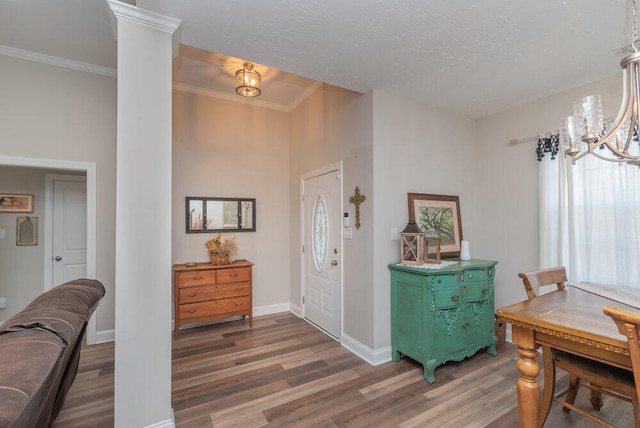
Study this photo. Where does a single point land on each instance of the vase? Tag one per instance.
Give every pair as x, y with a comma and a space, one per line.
219, 259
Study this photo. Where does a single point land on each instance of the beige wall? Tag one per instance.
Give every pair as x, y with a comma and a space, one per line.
49, 112
22, 267
507, 183
229, 149
417, 149
335, 125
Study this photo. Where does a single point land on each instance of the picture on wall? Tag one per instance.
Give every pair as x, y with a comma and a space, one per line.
16, 203
206, 215
438, 214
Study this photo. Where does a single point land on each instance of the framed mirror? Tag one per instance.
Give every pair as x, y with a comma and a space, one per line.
27, 231
206, 215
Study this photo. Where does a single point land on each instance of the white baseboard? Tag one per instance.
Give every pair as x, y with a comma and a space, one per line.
374, 357
167, 423
271, 309
295, 310
104, 336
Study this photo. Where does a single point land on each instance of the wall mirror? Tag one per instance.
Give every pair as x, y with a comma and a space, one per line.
27, 231
220, 215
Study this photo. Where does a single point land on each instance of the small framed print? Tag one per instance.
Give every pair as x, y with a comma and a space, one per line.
439, 214
26, 231
16, 203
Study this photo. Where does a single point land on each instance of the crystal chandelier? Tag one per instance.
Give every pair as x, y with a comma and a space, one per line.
248, 81
615, 140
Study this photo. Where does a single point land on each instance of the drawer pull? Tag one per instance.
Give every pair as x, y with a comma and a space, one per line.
191, 296
455, 298
470, 276
192, 311
197, 278
439, 281
484, 291
233, 274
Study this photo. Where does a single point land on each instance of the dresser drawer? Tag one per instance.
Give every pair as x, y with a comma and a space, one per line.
211, 292
215, 307
234, 275
474, 275
476, 291
446, 281
195, 277
447, 297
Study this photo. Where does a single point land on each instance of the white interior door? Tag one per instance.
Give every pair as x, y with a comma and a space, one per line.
322, 302
69, 238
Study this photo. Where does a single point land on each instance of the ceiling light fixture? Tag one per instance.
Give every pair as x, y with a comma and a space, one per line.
248, 81
586, 131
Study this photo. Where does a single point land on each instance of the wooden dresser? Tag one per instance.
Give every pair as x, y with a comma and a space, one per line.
206, 292
440, 315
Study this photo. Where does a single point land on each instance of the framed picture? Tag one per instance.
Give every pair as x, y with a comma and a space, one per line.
27, 231
439, 213
16, 203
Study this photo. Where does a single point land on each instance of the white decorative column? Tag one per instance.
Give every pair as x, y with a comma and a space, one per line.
143, 217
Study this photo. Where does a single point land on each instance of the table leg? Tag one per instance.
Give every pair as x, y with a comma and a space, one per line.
528, 388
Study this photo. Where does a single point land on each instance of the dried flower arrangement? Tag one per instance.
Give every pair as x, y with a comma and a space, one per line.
222, 245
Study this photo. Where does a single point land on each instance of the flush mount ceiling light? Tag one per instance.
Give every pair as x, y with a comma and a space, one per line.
616, 140
248, 81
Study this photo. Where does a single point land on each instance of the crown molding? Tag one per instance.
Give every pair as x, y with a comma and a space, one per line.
228, 97
57, 61
306, 94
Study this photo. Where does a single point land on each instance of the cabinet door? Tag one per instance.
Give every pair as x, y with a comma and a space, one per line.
479, 311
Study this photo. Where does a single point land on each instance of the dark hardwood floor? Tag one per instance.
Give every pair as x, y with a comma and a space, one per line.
285, 372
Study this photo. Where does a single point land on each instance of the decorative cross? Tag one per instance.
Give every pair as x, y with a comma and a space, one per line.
357, 199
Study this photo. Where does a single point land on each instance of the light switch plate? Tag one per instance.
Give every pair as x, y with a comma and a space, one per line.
3, 234
348, 233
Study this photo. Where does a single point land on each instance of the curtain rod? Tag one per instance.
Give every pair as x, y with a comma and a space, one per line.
515, 141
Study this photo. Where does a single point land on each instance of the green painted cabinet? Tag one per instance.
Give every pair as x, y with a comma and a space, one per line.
439, 315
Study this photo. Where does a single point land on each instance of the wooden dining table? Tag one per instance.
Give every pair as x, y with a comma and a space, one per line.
570, 320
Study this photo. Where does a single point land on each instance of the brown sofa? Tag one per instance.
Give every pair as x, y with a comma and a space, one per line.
39, 353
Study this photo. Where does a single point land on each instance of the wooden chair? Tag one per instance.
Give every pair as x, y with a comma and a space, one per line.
598, 377
629, 325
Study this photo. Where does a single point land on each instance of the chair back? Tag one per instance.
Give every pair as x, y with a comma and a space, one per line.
629, 326
537, 278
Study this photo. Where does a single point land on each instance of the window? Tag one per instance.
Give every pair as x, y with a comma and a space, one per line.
319, 233
590, 219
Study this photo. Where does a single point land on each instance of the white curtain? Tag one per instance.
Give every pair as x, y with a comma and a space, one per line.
590, 219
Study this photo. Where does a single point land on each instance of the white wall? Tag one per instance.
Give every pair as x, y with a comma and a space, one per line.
228, 149
507, 182
418, 149
49, 112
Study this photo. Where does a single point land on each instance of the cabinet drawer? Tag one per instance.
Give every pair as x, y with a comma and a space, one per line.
447, 297
476, 291
211, 292
474, 275
234, 275
196, 277
446, 281
215, 307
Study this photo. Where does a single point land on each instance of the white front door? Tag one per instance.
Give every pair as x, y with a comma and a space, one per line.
322, 300
69, 238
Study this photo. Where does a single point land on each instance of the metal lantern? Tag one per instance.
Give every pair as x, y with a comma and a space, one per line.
432, 246
412, 245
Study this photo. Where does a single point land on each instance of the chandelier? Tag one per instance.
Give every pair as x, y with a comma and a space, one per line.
614, 140
248, 81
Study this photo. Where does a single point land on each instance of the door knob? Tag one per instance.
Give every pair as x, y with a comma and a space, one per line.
334, 263
58, 258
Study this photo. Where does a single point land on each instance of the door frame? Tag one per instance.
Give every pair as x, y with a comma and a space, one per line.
90, 170
337, 167
48, 222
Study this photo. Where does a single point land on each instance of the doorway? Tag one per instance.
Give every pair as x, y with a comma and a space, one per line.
322, 249
90, 170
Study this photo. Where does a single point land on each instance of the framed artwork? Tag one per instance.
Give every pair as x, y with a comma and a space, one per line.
439, 214
16, 203
27, 231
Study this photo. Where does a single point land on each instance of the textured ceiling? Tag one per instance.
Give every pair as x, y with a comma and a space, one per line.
473, 57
